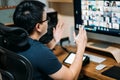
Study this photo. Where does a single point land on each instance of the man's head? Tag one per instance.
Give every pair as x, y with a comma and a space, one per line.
31, 16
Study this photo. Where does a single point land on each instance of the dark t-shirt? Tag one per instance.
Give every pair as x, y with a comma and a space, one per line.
43, 60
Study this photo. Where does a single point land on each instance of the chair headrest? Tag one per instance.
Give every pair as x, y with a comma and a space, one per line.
13, 38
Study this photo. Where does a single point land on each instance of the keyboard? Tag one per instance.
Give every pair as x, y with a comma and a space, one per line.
94, 58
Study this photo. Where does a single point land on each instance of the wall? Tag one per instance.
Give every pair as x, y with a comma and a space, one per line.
13, 2
9, 2
6, 15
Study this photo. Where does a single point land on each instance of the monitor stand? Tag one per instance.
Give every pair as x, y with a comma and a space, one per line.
113, 49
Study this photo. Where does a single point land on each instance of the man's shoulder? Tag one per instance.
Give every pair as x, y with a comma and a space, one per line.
38, 45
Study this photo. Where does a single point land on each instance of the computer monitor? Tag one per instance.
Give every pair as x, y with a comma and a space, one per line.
101, 19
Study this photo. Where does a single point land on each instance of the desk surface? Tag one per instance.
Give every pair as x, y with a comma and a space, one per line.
88, 70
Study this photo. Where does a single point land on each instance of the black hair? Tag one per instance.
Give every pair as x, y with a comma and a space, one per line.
27, 14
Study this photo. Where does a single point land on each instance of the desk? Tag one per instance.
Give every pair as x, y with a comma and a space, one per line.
88, 70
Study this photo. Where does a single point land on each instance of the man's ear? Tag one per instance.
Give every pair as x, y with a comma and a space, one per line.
38, 27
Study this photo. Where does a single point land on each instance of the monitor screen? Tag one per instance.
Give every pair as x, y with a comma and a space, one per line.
100, 18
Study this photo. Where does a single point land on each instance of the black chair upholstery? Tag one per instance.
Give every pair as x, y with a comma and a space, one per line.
14, 66
13, 38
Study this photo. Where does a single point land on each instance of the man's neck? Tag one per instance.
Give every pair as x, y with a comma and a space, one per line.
35, 36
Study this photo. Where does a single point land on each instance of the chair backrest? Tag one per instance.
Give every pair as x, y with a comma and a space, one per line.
14, 66
13, 38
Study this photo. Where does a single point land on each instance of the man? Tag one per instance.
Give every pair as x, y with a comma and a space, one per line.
31, 16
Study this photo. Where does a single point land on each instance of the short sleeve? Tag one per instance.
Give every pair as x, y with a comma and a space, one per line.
49, 63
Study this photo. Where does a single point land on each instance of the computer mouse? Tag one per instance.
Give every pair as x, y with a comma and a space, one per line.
100, 66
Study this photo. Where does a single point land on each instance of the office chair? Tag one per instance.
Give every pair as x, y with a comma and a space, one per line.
13, 38
14, 66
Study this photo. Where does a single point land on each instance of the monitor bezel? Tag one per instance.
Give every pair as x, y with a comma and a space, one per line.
101, 36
